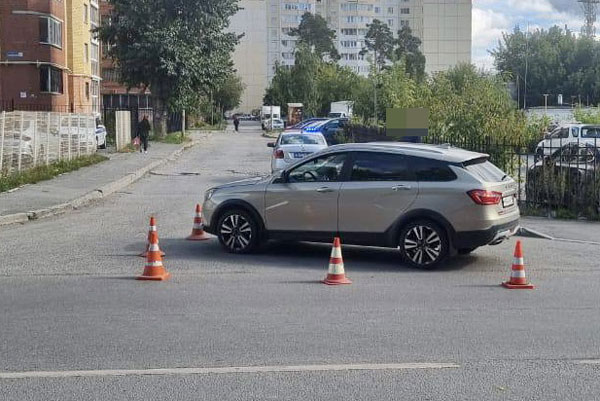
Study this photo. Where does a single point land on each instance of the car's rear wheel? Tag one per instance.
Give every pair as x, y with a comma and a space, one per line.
423, 244
238, 231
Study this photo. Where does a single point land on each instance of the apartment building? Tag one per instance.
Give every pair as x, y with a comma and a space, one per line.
34, 55
115, 95
49, 58
444, 27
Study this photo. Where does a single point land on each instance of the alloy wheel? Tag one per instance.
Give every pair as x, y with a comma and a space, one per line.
236, 232
422, 245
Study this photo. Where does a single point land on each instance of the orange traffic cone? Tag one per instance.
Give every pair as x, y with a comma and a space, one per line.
198, 233
335, 273
152, 228
154, 269
518, 280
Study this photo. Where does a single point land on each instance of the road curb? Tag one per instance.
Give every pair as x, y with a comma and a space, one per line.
529, 233
96, 194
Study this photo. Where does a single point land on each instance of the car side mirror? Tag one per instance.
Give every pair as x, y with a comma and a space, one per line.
271, 144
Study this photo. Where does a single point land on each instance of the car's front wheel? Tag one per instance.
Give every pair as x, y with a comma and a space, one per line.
238, 231
423, 244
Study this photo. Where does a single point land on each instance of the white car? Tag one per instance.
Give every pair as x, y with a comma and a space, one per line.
101, 136
293, 146
274, 124
583, 134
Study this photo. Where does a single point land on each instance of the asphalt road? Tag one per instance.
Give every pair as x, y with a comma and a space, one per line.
75, 325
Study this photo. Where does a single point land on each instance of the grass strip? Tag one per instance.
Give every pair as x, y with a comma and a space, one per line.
42, 173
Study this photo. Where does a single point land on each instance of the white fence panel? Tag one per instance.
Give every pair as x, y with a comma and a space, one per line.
30, 139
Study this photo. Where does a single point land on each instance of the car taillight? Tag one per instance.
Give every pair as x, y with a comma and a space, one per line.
482, 197
278, 154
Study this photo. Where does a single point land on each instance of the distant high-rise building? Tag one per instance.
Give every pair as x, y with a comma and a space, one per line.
444, 27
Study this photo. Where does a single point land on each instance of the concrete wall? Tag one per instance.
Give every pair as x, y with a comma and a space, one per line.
250, 57
446, 33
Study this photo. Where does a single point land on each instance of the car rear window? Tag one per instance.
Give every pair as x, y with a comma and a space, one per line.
485, 170
302, 140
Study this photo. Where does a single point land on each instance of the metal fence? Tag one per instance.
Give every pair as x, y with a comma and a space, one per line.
30, 139
560, 176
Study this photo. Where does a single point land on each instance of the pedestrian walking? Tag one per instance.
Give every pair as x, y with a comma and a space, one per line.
144, 133
236, 123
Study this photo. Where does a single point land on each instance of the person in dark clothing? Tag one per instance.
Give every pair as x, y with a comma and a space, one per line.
144, 133
236, 123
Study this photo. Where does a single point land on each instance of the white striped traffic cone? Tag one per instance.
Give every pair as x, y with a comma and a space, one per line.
518, 280
198, 233
154, 269
150, 231
335, 273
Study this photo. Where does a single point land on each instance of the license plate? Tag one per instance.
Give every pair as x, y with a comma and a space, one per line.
508, 201
300, 155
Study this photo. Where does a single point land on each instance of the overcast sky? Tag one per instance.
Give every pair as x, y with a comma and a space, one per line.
492, 17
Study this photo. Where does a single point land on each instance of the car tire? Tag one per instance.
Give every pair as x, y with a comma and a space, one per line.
423, 244
238, 231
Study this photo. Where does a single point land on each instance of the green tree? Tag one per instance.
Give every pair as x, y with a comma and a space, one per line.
229, 93
335, 83
315, 34
553, 61
179, 49
379, 40
407, 50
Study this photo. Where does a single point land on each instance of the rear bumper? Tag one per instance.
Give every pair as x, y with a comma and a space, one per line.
491, 236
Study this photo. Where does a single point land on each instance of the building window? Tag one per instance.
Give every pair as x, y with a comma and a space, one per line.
95, 96
94, 15
404, 23
297, 6
50, 31
390, 10
390, 22
405, 11
377, 10
87, 90
51, 79
95, 56
85, 13
86, 52
349, 31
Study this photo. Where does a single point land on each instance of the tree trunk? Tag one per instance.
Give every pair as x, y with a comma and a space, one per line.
160, 117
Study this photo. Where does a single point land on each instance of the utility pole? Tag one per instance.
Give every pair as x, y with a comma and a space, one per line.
526, 66
375, 87
546, 102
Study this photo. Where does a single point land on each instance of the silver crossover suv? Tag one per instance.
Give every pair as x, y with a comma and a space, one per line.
428, 201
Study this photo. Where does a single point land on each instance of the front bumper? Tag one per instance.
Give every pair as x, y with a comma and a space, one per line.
492, 236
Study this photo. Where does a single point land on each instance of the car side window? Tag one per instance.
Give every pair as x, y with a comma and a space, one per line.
428, 170
575, 132
372, 166
321, 169
555, 134
564, 133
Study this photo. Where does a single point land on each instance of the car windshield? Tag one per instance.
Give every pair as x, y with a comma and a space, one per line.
590, 132
302, 140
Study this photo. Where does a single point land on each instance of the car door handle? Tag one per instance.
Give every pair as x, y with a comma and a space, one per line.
401, 187
324, 190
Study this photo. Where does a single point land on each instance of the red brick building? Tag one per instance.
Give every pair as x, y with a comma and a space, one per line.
114, 94
33, 55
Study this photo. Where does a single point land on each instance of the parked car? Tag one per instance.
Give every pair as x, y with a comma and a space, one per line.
428, 201
305, 123
329, 128
274, 124
293, 146
568, 178
566, 134
100, 135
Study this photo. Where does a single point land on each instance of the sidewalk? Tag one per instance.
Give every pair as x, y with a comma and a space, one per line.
75, 189
572, 230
